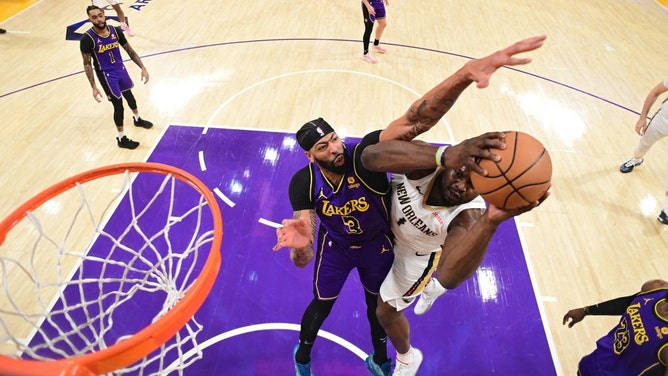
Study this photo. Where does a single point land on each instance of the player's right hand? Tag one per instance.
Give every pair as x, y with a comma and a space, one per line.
97, 95
641, 126
293, 234
469, 152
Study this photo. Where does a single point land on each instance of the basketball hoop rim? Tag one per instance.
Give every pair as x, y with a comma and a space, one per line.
142, 343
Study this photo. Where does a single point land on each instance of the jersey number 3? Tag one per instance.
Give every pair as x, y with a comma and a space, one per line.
352, 224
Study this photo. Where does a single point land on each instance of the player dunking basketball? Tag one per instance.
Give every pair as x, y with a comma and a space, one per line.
351, 202
439, 223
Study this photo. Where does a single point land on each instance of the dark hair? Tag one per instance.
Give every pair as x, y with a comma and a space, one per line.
91, 7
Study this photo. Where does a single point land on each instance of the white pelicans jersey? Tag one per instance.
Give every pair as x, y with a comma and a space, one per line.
419, 228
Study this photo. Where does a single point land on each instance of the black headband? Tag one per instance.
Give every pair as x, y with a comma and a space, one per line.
312, 132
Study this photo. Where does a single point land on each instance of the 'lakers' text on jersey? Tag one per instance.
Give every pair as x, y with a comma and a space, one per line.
351, 211
105, 50
624, 350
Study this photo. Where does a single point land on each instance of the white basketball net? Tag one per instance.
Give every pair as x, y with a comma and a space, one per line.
78, 276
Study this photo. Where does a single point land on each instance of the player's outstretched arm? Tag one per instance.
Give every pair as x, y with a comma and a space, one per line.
403, 156
468, 238
430, 108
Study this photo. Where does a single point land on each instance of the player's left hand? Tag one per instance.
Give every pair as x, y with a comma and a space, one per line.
498, 215
144, 76
480, 70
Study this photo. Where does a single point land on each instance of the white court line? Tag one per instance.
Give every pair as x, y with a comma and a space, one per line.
270, 223
261, 327
539, 299
222, 196
202, 165
233, 97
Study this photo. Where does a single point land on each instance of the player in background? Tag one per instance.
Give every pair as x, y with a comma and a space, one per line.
100, 49
638, 344
119, 12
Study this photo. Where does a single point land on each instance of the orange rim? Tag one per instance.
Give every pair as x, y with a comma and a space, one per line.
147, 340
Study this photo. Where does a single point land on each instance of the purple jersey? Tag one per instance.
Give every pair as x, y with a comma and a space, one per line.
351, 212
354, 229
632, 347
106, 51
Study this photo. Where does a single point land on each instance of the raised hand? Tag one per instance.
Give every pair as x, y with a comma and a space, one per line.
480, 70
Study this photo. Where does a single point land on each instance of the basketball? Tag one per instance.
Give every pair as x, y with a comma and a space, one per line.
521, 177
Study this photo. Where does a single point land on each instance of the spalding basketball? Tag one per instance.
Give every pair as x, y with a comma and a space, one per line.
521, 177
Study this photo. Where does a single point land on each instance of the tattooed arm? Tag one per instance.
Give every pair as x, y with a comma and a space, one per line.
88, 69
298, 234
135, 57
429, 109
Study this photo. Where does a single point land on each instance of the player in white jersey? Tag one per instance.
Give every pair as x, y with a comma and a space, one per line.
650, 133
440, 224
119, 12
419, 230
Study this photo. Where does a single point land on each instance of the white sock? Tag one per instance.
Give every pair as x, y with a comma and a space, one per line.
136, 116
438, 286
405, 358
665, 205
121, 134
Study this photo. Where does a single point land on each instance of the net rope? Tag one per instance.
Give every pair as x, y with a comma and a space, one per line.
144, 249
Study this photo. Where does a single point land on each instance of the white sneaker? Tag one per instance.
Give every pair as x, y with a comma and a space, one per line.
379, 49
369, 59
428, 296
409, 369
127, 29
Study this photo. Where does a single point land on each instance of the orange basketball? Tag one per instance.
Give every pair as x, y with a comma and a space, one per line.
521, 177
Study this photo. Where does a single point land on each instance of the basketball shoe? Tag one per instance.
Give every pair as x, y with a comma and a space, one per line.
379, 49
301, 369
126, 143
369, 59
411, 368
127, 30
630, 164
384, 369
663, 217
428, 296
142, 123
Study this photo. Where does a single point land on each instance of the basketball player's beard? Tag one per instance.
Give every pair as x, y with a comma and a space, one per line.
101, 27
329, 166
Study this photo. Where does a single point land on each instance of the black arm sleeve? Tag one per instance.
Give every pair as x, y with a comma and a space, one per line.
612, 307
300, 190
86, 45
122, 40
375, 180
